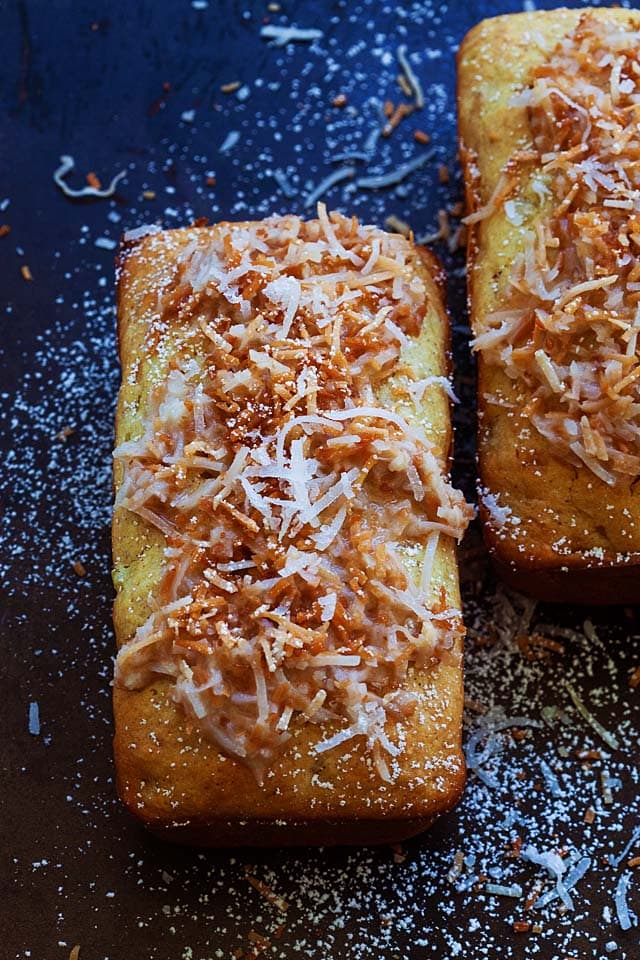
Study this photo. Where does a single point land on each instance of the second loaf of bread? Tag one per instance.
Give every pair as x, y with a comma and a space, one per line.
548, 105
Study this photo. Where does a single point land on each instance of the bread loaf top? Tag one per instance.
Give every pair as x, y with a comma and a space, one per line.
283, 440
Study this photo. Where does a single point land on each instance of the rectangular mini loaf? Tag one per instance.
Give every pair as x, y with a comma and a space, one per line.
287, 612
548, 111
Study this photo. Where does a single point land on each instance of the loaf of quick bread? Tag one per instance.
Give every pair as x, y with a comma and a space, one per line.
549, 104
287, 613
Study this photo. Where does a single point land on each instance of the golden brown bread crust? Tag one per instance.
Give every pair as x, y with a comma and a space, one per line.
574, 538
173, 779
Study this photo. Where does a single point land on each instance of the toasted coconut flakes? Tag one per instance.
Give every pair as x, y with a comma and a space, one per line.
548, 371
456, 866
585, 287
396, 225
264, 890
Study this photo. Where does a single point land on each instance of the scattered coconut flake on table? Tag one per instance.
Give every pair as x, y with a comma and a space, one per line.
626, 918
281, 36
105, 243
138, 232
345, 173
555, 867
284, 183
501, 890
412, 79
633, 839
586, 714
393, 177
67, 163
34, 719
551, 779
576, 874
230, 141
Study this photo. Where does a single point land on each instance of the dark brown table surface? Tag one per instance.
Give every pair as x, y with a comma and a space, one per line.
135, 87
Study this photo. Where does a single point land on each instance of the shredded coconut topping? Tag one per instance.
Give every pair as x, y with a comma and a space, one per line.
287, 495
570, 334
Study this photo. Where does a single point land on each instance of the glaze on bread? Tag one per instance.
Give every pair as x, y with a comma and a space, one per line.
548, 110
287, 614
